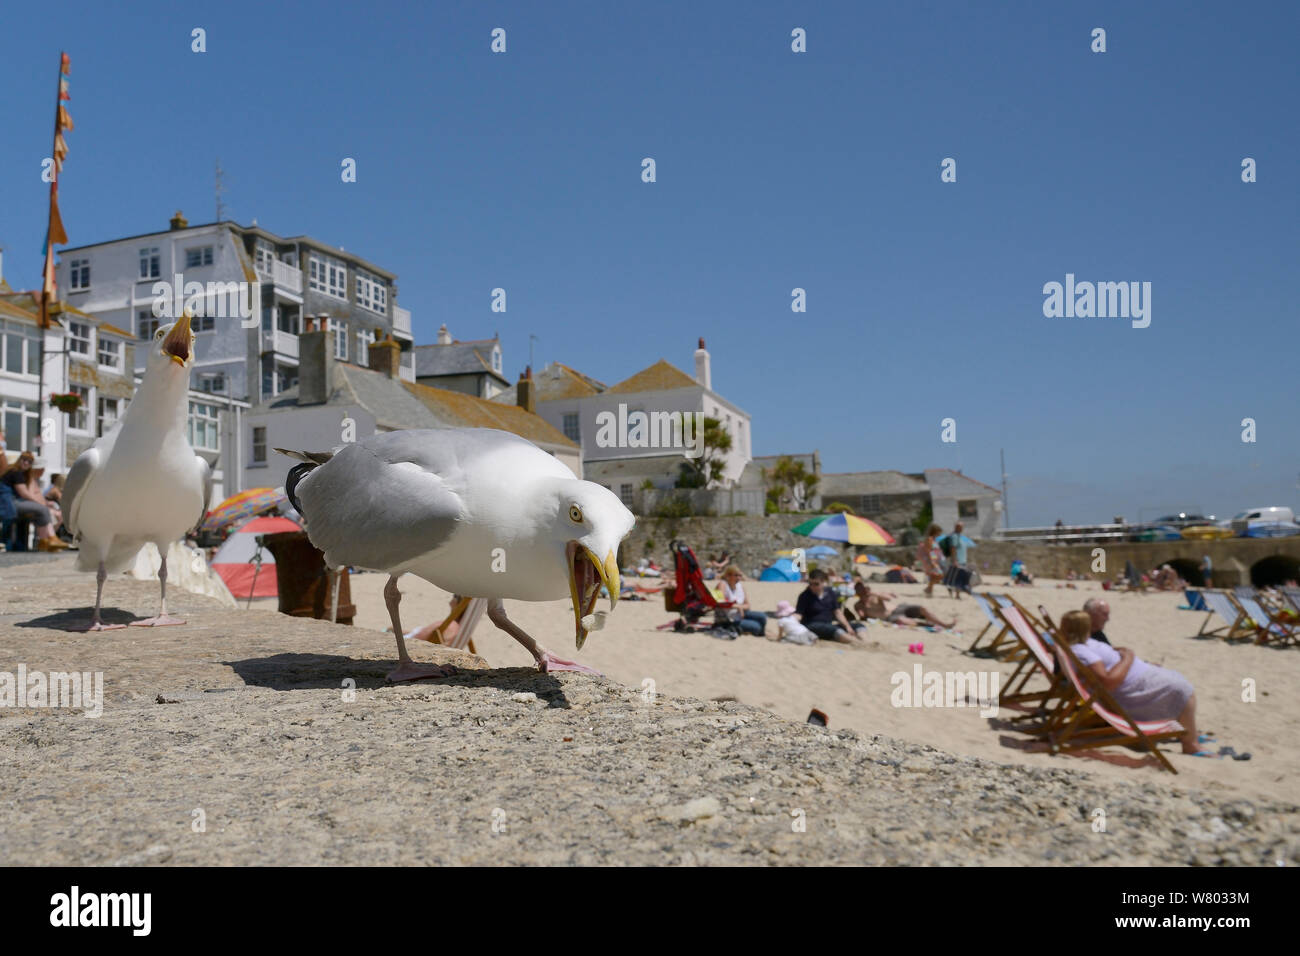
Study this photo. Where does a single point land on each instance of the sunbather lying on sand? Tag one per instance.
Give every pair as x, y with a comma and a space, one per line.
874, 605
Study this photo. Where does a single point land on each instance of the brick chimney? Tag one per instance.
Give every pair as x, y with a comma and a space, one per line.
525, 397
702, 365
316, 367
386, 356
178, 221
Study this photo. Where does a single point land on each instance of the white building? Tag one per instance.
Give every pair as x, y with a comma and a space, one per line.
579, 405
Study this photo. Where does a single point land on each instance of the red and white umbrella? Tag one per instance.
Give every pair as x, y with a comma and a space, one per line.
234, 559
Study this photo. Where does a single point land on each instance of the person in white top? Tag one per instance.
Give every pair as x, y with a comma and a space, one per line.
792, 630
751, 622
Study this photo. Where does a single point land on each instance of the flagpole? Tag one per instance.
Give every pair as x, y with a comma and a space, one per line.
43, 324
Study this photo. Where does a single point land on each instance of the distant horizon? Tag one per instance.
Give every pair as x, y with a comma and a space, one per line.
925, 174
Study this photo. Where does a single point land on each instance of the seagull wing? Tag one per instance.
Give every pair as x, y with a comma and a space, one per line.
377, 510
83, 472
205, 475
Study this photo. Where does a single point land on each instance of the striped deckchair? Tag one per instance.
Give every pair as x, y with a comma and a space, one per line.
1002, 645
1221, 605
468, 611
1292, 597
1270, 627
1075, 727
1037, 661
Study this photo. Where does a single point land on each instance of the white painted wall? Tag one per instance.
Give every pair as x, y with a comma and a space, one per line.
313, 428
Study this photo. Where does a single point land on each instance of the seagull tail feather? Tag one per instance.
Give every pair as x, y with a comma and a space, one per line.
315, 457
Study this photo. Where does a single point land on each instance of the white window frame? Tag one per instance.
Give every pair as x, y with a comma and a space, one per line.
28, 346
339, 330
207, 415
102, 418
372, 292
264, 255
79, 275
82, 420
110, 346
365, 339
577, 426
259, 448
146, 324
150, 263
29, 418
75, 339
208, 381
327, 275
205, 255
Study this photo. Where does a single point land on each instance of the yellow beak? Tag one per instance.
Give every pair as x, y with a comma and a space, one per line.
584, 590
178, 342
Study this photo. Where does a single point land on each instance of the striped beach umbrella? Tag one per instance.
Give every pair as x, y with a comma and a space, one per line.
241, 507
234, 560
844, 527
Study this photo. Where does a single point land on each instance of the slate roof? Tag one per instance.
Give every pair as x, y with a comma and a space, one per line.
458, 358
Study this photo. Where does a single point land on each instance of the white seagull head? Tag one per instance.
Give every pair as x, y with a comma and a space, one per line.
586, 525
173, 345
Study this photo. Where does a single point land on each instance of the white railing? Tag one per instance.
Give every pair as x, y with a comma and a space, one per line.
282, 343
401, 321
282, 274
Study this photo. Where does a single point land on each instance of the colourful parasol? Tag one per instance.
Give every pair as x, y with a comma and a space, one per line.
845, 527
240, 507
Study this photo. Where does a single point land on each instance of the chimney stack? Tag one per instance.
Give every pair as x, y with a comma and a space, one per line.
178, 221
525, 397
386, 356
316, 367
444, 337
702, 366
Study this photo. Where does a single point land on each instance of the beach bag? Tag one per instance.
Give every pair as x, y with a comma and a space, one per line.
945, 545
957, 578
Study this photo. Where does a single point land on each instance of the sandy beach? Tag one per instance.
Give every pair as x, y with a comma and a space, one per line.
853, 685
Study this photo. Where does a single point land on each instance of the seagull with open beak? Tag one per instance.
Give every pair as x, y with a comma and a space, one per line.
476, 511
141, 482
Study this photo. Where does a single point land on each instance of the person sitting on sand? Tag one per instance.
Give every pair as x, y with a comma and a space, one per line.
751, 622
1020, 573
715, 566
1166, 579
792, 630
819, 611
874, 606
1145, 691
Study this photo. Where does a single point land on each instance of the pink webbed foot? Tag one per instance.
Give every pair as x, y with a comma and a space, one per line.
549, 662
99, 626
413, 671
162, 620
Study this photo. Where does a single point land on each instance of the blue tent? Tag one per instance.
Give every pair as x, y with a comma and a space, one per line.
780, 570
821, 551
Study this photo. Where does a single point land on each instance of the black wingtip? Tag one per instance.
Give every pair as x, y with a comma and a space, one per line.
296, 474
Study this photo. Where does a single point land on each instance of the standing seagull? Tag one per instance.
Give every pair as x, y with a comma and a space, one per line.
142, 481
476, 511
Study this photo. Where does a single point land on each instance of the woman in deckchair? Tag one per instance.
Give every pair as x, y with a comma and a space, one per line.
1145, 691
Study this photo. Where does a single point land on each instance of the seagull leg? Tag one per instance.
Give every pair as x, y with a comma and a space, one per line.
96, 624
163, 619
546, 661
407, 669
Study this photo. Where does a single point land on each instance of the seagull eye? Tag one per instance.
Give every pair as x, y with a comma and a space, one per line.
575, 514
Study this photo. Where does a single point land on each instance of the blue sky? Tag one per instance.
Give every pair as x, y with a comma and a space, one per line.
775, 170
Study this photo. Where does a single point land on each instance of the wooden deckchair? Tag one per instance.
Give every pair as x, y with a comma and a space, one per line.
1222, 605
1002, 644
1044, 702
1076, 729
468, 611
1292, 597
1270, 627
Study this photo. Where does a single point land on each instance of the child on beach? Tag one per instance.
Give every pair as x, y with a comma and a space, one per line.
792, 631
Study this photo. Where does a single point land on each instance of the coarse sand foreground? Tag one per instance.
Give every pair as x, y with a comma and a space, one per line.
853, 686
255, 738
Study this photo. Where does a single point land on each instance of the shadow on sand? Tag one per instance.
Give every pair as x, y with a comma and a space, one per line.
287, 672
78, 618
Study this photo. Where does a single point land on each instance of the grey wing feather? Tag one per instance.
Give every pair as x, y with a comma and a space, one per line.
83, 471
205, 473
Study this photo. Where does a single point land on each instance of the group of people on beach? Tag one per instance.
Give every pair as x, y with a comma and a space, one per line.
24, 496
817, 614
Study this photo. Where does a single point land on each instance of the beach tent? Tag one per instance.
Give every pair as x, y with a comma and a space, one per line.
780, 570
820, 551
234, 559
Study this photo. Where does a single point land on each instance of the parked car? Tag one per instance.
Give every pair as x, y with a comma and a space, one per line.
1182, 520
1241, 522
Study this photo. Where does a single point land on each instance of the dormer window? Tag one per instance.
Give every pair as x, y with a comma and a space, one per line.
496, 360
198, 256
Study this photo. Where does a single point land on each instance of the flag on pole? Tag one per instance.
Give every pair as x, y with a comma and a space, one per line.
54, 232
